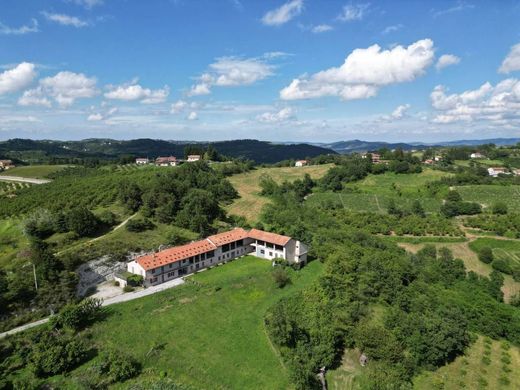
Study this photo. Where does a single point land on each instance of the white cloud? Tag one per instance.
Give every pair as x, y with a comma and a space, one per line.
232, 72
179, 106
133, 91
392, 28
512, 62
498, 104
34, 97
88, 4
19, 77
65, 20
446, 60
192, 116
364, 72
25, 29
460, 6
66, 87
352, 12
400, 111
283, 14
320, 28
276, 117
100, 116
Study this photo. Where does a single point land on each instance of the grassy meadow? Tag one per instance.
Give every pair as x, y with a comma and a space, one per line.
487, 364
247, 184
12, 240
208, 333
486, 195
33, 171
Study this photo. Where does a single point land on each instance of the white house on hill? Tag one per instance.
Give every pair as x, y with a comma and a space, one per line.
142, 161
171, 263
495, 171
193, 157
301, 163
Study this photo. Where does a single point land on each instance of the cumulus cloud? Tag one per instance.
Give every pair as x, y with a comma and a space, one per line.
34, 97
134, 91
400, 111
512, 62
276, 117
192, 116
17, 78
364, 72
352, 12
232, 72
25, 29
320, 28
499, 104
446, 60
65, 20
65, 87
283, 14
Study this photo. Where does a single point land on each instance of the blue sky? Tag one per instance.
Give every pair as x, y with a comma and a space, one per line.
295, 70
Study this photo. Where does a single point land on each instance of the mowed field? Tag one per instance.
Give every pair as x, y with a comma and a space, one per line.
33, 171
466, 252
487, 195
488, 364
375, 191
208, 334
247, 184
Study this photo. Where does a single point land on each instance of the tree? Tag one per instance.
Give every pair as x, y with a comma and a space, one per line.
417, 208
280, 276
116, 366
453, 196
81, 221
199, 209
499, 208
137, 225
130, 194
486, 255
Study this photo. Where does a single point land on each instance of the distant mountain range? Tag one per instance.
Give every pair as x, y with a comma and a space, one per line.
258, 151
345, 147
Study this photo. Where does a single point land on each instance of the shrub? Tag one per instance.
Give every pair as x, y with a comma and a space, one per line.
134, 280
486, 255
499, 208
501, 265
115, 366
78, 316
82, 221
281, 277
453, 196
128, 289
137, 225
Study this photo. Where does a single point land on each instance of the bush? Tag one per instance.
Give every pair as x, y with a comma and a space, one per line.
128, 289
280, 276
486, 255
134, 280
82, 221
137, 225
499, 208
501, 265
116, 366
78, 316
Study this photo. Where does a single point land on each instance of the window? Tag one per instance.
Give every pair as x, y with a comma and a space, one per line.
270, 246
210, 254
261, 243
278, 247
271, 254
153, 271
262, 251
153, 280
225, 248
240, 243
171, 265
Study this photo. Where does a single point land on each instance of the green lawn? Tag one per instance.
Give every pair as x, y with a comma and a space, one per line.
489, 194
375, 191
211, 334
34, 171
474, 371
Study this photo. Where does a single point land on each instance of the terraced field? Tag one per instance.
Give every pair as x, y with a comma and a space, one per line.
486, 195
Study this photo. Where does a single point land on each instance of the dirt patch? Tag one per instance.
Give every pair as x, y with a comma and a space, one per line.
186, 300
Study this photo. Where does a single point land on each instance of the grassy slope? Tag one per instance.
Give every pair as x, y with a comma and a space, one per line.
250, 202
470, 371
33, 171
212, 332
374, 192
489, 194
12, 240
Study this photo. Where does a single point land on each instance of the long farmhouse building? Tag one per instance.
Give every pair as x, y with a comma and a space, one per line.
160, 267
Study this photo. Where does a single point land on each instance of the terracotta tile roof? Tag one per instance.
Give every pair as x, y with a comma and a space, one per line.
272, 238
160, 160
227, 237
172, 255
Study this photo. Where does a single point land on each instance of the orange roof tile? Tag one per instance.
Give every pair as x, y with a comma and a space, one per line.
272, 238
171, 255
227, 237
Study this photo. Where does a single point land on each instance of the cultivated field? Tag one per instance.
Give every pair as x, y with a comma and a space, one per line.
375, 191
208, 334
33, 171
489, 194
486, 365
247, 184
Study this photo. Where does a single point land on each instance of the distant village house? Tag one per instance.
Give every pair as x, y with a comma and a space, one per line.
376, 157
301, 163
160, 267
495, 171
6, 164
142, 161
476, 155
194, 157
166, 161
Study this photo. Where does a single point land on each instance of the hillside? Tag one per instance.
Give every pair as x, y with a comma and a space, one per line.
258, 151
